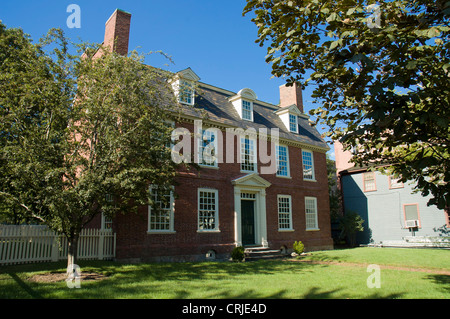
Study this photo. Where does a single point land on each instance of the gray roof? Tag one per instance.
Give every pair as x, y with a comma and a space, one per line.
218, 109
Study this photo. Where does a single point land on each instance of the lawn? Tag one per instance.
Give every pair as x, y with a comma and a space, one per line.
338, 274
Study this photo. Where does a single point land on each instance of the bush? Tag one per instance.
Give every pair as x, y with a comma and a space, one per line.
238, 253
298, 247
351, 223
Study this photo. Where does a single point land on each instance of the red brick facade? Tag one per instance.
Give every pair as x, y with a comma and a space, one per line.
185, 241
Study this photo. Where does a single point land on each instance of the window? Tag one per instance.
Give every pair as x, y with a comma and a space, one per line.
395, 183
106, 220
248, 154
207, 148
208, 209
161, 211
369, 182
293, 123
186, 93
284, 212
308, 165
247, 110
311, 213
411, 214
282, 160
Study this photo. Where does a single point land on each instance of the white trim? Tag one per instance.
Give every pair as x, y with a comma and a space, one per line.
171, 216
254, 155
313, 177
287, 159
251, 183
315, 213
290, 228
216, 210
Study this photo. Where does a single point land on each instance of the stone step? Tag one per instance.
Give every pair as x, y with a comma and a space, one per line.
262, 253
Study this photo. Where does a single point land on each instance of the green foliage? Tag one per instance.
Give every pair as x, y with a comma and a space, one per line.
383, 90
237, 254
298, 247
74, 129
350, 224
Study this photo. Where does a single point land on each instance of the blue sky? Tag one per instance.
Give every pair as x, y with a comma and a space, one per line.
209, 36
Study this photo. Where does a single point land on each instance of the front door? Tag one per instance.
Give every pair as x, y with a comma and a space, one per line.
248, 222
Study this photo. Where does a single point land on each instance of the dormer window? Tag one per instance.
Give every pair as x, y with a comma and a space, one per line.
186, 93
293, 123
289, 116
243, 103
183, 85
247, 110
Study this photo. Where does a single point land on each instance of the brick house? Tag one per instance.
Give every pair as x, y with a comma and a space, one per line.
232, 203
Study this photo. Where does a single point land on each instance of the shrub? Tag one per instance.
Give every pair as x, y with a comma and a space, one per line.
298, 247
238, 253
350, 225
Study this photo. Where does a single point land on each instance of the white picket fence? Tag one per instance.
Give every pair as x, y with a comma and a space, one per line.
27, 244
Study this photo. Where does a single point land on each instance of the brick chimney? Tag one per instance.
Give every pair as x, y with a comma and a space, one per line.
117, 32
291, 95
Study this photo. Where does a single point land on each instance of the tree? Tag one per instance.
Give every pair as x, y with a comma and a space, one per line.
76, 131
381, 77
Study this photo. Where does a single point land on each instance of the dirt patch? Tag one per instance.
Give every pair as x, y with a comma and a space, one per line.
56, 277
427, 270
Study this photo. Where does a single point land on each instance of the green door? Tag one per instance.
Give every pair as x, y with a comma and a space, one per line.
248, 222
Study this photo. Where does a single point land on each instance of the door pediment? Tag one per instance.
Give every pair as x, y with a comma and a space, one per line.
251, 180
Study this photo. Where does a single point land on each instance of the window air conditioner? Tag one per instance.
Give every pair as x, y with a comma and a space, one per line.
412, 223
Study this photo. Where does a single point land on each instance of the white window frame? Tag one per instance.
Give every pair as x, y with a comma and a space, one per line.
171, 215
306, 176
369, 182
215, 210
293, 125
284, 217
186, 92
277, 151
201, 147
253, 157
311, 213
249, 110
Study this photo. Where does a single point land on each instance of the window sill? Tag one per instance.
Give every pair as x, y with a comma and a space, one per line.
286, 230
310, 180
208, 231
287, 177
152, 232
312, 229
208, 166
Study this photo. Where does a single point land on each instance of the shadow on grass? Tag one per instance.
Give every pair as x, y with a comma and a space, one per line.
443, 280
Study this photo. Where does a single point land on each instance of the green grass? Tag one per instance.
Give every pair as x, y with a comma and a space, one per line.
250, 280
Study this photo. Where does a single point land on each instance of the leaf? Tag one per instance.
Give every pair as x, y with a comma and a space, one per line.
411, 65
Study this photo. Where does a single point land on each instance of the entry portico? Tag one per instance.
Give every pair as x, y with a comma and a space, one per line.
250, 224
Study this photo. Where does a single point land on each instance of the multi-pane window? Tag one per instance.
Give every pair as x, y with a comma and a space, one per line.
186, 93
207, 148
311, 213
160, 210
284, 212
395, 182
369, 182
293, 123
208, 209
248, 154
247, 110
308, 165
107, 220
282, 160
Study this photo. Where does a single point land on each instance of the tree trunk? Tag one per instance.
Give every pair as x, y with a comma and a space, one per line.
72, 253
